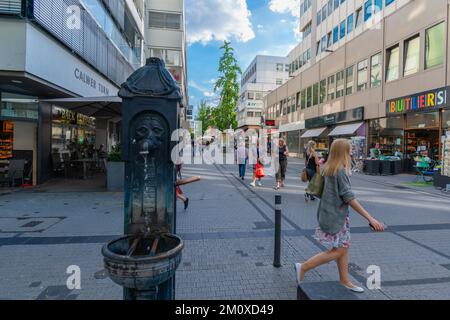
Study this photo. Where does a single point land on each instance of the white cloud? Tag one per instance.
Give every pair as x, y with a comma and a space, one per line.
205, 91
209, 20
285, 6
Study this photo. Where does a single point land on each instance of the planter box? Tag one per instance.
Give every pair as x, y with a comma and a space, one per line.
115, 176
372, 167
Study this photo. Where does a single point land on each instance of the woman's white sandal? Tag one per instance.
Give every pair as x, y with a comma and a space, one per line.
355, 289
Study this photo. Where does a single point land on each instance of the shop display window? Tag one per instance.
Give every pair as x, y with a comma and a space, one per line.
389, 134
6, 139
422, 120
446, 143
18, 106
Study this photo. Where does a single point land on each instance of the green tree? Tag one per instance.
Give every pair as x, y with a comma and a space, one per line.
228, 87
205, 115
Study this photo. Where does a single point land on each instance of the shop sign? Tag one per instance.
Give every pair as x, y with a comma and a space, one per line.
420, 102
270, 123
336, 118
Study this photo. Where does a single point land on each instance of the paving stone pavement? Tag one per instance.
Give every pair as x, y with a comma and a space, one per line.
228, 233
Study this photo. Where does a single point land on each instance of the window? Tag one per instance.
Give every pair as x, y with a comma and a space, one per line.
349, 75
342, 31
279, 82
329, 39
368, 10
350, 23
319, 17
280, 67
331, 87
303, 100
392, 61
307, 30
324, 12
309, 97
411, 56
336, 4
362, 75
250, 96
358, 17
318, 48
170, 57
323, 91
315, 94
335, 35
388, 2
324, 43
164, 20
375, 71
330, 7
340, 84
435, 46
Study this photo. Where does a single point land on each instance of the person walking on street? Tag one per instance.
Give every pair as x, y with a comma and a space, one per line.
333, 216
242, 157
283, 152
256, 181
312, 164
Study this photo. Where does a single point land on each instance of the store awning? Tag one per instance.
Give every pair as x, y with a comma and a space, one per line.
313, 133
295, 126
345, 130
98, 107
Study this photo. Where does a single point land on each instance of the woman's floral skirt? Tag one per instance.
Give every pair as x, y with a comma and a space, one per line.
338, 240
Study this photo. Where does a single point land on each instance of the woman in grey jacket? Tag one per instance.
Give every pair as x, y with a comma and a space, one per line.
333, 212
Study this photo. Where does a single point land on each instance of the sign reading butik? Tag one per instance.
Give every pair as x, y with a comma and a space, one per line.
420, 102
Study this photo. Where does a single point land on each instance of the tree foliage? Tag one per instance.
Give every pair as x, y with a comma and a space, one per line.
205, 115
228, 87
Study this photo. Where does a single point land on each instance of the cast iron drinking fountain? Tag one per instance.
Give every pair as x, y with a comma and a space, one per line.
144, 261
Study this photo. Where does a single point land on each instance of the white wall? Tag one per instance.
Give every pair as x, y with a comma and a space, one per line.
51, 61
12, 44
24, 135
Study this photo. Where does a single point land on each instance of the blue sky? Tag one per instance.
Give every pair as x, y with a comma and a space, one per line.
253, 26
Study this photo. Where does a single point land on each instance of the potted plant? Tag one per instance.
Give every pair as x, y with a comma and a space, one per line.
115, 171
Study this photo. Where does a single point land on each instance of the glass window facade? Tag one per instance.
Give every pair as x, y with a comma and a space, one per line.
362, 75
331, 87
349, 74
375, 71
435, 46
340, 84
388, 133
393, 60
19, 106
323, 91
411, 56
350, 23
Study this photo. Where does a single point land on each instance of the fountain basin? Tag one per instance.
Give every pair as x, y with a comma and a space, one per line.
142, 271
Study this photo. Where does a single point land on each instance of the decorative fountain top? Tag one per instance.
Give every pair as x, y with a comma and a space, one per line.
151, 81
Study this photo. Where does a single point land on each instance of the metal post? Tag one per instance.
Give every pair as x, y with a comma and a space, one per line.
277, 253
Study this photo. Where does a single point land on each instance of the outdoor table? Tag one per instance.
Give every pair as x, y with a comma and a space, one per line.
85, 163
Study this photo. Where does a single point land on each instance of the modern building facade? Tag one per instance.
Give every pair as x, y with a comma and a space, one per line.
377, 73
264, 74
165, 38
57, 49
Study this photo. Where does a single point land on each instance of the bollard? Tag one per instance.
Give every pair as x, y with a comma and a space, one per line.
277, 253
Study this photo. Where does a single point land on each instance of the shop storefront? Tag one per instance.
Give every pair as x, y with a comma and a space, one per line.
70, 129
291, 134
18, 137
346, 124
415, 127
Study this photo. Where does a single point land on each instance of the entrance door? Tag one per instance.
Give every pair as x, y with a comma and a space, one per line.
422, 142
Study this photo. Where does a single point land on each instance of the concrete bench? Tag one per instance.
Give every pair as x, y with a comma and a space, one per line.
327, 290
